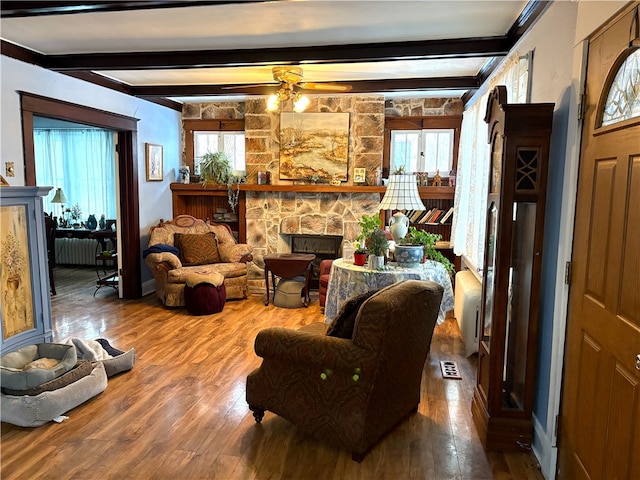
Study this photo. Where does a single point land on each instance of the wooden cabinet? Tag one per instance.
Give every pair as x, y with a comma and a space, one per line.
503, 397
26, 305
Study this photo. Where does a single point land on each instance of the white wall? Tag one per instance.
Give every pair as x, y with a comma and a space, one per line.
157, 124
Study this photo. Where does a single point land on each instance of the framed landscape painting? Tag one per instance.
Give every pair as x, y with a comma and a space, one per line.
314, 146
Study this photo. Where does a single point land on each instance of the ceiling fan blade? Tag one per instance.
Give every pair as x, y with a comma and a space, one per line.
326, 87
246, 85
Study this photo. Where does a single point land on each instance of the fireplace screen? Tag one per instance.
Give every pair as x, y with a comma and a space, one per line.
323, 246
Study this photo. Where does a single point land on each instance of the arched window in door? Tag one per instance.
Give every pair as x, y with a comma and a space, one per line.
623, 97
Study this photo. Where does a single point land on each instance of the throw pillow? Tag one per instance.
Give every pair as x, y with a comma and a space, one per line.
197, 248
344, 323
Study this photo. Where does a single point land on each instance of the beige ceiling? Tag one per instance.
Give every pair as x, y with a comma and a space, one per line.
263, 25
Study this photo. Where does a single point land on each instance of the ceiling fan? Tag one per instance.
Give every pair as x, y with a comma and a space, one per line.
290, 83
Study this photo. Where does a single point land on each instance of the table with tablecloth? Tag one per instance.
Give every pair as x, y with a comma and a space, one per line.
347, 280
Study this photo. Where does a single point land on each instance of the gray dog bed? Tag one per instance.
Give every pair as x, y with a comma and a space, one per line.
33, 411
34, 365
120, 362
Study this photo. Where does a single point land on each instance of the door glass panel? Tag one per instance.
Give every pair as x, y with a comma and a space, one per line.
623, 99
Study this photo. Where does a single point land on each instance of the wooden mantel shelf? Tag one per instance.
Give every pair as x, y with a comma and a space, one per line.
199, 189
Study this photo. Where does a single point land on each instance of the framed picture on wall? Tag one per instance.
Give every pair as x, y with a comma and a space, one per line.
153, 157
314, 146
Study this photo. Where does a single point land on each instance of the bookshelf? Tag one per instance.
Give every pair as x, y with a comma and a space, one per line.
205, 203
441, 199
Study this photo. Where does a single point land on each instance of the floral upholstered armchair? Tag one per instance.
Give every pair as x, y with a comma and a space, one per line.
187, 245
354, 383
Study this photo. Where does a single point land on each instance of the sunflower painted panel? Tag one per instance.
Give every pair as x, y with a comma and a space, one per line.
15, 272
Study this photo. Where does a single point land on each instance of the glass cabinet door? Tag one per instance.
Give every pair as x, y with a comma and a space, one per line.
489, 273
518, 304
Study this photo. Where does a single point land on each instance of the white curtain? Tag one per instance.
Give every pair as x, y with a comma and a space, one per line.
472, 178
83, 163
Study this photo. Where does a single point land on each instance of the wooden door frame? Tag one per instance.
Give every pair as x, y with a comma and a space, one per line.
126, 130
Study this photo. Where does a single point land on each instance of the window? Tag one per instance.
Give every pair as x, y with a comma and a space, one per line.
82, 163
422, 150
432, 147
231, 143
623, 99
202, 136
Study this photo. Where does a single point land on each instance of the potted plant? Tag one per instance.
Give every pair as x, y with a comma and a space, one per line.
76, 213
359, 254
368, 224
377, 245
215, 168
419, 245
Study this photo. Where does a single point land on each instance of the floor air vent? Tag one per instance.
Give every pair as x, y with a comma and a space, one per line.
450, 370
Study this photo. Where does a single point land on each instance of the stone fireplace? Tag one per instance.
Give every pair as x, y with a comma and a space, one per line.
273, 217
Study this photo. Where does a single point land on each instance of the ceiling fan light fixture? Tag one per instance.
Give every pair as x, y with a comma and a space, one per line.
273, 102
300, 103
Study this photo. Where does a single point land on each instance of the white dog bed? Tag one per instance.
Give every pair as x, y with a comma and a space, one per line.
115, 361
33, 411
34, 365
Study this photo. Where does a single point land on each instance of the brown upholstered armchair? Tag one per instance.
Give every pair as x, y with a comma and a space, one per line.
349, 391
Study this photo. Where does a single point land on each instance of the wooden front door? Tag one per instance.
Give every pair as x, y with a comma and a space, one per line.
600, 420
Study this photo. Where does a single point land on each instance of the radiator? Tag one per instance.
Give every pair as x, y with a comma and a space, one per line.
76, 251
467, 308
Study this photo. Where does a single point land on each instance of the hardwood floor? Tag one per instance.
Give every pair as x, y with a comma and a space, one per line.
181, 412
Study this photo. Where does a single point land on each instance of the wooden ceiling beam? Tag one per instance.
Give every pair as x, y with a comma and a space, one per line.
360, 86
326, 54
10, 9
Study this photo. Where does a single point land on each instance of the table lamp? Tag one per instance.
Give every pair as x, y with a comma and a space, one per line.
60, 197
401, 194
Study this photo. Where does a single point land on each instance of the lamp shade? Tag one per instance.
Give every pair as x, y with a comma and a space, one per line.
59, 196
401, 194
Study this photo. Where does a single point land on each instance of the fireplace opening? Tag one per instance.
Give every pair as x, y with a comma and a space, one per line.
323, 246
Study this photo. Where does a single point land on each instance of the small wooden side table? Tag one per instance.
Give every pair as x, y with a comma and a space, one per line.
289, 265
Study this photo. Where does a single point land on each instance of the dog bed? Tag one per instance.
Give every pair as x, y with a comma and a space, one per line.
114, 360
82, 369
120, 361
33, 411
34, 365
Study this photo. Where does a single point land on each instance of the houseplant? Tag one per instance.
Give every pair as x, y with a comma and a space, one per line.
413, 241
215, 168
359, 254
76, 213
368, 224
377, 245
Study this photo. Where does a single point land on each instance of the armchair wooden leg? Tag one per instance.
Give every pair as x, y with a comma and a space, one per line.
358, 457
258, 413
